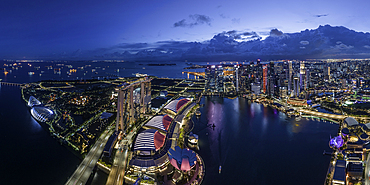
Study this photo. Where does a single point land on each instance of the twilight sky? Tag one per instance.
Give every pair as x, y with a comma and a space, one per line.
44, 28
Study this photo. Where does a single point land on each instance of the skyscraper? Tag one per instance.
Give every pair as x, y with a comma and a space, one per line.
307, 81
258, 71
290, 72
326, 73
264, 67
214, 78
272, 79
133, 101
302, 74
296, 86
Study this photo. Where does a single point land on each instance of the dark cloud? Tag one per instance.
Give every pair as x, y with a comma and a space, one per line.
323, 42
247, 33
276, 32
181, 23
133, 46
195, 20
201, 19
232, 32
321, 15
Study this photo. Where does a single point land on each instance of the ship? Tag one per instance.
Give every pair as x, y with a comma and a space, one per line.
139, 74
219, 169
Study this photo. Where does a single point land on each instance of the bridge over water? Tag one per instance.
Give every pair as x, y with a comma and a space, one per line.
11, 84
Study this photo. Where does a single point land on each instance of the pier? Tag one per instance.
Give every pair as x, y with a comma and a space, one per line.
11, 84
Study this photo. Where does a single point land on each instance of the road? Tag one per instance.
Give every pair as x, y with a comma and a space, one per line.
83, 172
117, 173
367, 168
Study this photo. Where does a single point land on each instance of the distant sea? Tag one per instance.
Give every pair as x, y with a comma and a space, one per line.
254, 144
37, 71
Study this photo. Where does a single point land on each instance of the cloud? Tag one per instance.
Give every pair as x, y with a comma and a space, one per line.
201, 19
224, 16
324, 42
181, 23
275, 32
304, 42
241, 36
343, 46
133, 46
321, 15
195, 20
235, 21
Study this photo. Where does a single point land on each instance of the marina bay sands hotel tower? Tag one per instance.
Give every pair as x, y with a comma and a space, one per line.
133, 101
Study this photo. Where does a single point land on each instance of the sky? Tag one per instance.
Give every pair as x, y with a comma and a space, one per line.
44, 28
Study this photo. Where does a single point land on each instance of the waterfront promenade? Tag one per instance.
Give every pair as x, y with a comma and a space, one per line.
321, 114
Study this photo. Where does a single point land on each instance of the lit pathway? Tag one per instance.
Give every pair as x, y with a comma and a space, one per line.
320, 114
83, 172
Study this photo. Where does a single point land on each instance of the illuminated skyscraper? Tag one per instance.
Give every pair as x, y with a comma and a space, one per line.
258, 71
307, 81
326, 73
302, 74
272, 80
290, 72
296, 86
264, 67
133, 101
214, 78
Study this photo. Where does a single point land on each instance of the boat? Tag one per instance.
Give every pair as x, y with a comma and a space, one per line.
219, 169
139, 75
198, 113
298, 118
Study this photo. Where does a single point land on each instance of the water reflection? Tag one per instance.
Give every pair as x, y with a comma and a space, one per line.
35, 126
250, 141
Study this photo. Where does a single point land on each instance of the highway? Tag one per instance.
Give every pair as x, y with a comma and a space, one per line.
116, 175
367, 168
83, 172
